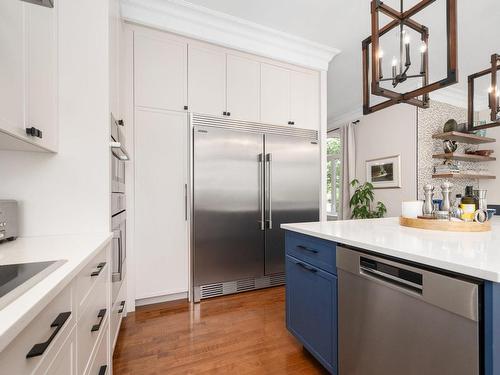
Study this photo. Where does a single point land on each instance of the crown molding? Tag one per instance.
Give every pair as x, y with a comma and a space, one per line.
184, 18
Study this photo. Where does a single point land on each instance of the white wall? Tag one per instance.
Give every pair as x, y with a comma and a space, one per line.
390, 132
68, 192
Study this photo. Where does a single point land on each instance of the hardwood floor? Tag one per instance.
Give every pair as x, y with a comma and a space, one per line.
238, 334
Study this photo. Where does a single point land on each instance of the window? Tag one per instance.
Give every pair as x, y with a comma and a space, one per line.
333, 175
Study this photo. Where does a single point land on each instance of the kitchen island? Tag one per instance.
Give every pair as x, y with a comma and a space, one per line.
408, 273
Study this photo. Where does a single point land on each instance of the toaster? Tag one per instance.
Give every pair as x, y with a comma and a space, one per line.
8, 220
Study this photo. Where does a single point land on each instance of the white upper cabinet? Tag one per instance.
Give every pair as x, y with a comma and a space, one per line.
42, 73
304, 100
207, 80
177, 74
12, 57
243, 88
28, 75
275, 95
160, 71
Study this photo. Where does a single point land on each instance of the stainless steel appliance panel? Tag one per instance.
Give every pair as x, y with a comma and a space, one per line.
396, 319
227, 205
292, 191
118, 252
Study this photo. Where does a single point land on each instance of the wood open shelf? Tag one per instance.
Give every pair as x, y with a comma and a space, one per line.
471, 139
463, 157
470, 176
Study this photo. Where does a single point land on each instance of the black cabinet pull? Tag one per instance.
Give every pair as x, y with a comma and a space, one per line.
122, 307
186, 107
229, 113
305, 248
58, 323
102, 370
34, 132
310, 269
224, 113
292, 122
289, 123
100, 267
101, 315
121, 123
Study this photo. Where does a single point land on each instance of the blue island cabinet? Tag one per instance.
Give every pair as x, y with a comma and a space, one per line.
311, 296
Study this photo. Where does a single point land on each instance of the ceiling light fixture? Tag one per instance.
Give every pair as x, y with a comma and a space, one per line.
402, 65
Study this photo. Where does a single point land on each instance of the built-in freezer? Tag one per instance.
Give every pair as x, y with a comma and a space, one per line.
247, 179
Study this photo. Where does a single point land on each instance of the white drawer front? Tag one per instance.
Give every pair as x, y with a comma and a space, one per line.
88, 324
101, 364
118, 312
14, 359
88, 277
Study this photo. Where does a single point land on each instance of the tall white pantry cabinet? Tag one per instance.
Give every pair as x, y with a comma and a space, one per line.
172, 77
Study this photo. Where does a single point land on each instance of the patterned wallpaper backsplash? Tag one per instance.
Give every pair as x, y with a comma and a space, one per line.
431, 121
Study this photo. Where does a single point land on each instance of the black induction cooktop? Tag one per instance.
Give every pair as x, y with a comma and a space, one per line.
15, 279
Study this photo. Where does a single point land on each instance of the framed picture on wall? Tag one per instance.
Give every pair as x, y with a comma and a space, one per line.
384, 172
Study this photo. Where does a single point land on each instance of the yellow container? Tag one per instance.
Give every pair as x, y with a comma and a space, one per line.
468, 211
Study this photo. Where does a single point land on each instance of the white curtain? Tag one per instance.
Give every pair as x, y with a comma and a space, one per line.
348, 139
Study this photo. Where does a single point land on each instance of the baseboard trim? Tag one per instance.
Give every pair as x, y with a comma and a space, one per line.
160, 299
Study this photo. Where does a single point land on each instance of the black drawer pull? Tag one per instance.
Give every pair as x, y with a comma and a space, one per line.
305, 248
122, 307
39, 349
100, 267
101, 315
310, 269
102, 370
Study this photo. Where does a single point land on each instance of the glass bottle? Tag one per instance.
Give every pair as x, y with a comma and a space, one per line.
468, 204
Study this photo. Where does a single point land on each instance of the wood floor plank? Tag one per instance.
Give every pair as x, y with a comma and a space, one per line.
239, 334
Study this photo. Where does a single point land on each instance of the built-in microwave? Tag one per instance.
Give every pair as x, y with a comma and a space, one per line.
119, 156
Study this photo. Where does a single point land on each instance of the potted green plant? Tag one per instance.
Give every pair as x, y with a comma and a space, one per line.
362, 200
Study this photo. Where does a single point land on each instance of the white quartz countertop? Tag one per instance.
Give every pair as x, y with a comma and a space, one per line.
472, 254
76, 250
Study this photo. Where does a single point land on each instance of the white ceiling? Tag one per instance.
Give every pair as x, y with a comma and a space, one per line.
343, 24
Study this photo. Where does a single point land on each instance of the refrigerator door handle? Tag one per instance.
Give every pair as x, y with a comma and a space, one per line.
269, 159
262, 190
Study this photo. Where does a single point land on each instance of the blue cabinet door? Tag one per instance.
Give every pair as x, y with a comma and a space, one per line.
311, 310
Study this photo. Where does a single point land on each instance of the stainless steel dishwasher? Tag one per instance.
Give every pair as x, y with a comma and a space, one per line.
396, 319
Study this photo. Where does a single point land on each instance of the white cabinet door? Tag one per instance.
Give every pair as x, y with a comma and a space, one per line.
207, 80
304, 100
275, 95
243, 88
161, 149
12, 60
41, 24
160, 72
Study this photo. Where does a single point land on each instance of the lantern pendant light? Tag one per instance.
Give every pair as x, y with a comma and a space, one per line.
401, 66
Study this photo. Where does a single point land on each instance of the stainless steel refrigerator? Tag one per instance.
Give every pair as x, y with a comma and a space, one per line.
247, 179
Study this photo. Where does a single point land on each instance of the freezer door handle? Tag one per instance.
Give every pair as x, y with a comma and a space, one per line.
262, 189
269, 161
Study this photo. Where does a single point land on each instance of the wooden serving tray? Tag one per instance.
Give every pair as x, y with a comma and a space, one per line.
445, 225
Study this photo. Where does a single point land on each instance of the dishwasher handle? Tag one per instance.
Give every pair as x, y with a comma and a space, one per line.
390, 279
